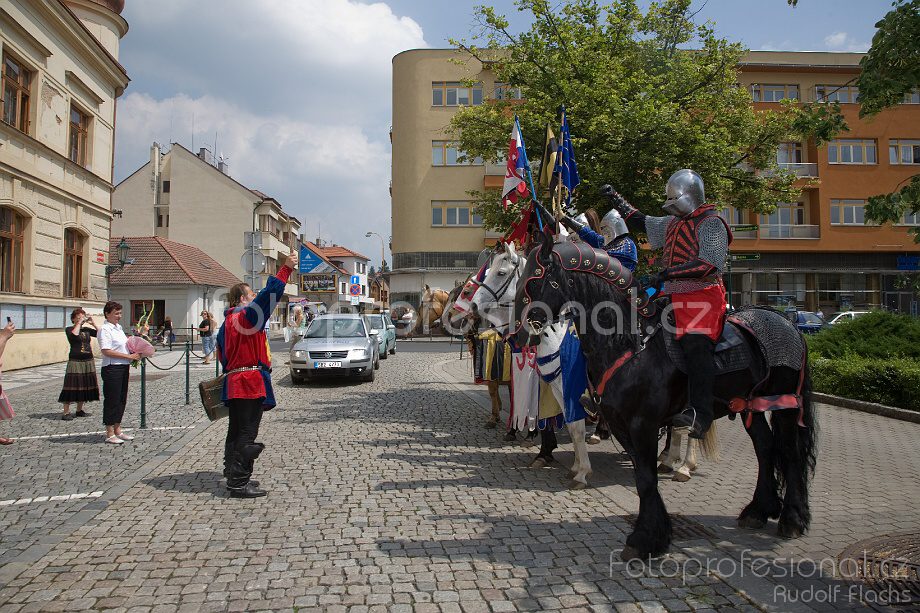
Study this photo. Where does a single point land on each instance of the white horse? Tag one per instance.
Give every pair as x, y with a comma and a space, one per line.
494, 299
670, 461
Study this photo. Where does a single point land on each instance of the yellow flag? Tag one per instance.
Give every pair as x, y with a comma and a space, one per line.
549, 158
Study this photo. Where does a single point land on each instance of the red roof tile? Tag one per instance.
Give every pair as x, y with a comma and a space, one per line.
158, 261
342, 252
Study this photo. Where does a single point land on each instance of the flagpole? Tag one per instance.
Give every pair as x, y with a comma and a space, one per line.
533, 193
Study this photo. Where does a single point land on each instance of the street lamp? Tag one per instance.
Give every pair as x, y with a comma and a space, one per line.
123, 249
382, 261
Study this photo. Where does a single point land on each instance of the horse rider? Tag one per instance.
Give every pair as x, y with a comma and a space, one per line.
695, 240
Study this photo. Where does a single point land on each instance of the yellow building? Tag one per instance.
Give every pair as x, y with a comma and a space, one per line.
815, 253
61, 78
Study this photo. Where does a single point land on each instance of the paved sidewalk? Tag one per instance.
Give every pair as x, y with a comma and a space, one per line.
392, 496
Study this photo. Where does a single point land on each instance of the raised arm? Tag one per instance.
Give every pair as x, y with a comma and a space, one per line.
257, 311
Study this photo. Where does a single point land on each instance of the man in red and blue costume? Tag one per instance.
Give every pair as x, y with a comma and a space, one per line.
246, 359
695, 242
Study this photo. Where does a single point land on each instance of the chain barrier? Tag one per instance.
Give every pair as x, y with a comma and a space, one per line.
149, 361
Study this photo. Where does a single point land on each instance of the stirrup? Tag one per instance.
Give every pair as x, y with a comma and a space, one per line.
688, 418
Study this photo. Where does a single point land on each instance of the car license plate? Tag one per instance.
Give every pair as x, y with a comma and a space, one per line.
327, 365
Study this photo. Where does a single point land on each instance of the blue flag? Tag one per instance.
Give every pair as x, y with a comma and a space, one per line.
566, 170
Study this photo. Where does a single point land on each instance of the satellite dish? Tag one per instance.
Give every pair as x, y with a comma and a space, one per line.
253, 261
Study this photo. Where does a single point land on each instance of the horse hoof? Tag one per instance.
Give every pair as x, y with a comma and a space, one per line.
664, 469
690, 466
510, 437
537, 463
491, 424
751, 522
630, 553
593, 439
681, 477
577, 485
788, 531
528, 442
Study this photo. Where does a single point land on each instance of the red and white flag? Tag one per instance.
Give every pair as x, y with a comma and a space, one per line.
515, 186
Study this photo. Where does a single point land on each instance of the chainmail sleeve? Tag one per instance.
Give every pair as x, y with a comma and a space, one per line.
713, 239
655, 228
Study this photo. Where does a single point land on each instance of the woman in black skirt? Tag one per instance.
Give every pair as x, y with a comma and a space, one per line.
80, 383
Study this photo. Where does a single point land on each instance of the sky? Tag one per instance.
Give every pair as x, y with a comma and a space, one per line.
297, 93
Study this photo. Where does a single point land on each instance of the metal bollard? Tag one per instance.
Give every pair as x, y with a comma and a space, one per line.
188, 353
143, 393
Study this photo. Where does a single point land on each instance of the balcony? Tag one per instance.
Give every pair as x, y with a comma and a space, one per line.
496, 169
803, 170
784, 231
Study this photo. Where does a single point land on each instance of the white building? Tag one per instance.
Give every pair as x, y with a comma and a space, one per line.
171, 279
61, 78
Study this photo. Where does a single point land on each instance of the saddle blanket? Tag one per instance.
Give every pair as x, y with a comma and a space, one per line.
567, 367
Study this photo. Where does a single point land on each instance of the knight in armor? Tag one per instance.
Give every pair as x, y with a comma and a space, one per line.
614, 237
695, 242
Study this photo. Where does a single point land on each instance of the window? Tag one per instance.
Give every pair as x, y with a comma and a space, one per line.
445, 153
846, 94
912, 97
732, 216
269, 224
786, 214
165, 187
453, 213
851, 151
79, 133
12, 234
774, 93
455, 94
910, 219
343, 288
16, 82
504, 91
848, 212
789, 153
904, 151
73, 264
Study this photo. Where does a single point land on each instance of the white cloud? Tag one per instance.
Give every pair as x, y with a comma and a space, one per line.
298, 92
841, 41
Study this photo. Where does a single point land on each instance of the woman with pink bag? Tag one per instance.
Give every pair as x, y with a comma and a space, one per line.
6, 411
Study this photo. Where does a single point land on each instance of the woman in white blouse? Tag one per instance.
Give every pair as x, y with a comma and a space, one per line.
115, 364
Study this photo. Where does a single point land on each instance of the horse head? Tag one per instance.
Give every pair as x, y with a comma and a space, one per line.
539, 297
495, 294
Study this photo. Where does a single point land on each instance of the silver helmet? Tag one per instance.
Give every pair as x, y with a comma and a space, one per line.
612, 226
581, 218
685, 193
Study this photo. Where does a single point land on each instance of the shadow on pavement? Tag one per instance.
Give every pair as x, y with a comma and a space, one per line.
199, 482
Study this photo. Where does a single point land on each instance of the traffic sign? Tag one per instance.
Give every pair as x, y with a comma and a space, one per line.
354, 289
355, 301
744, 257
355, 280
746, 228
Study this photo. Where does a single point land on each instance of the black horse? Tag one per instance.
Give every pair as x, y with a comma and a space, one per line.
640, 389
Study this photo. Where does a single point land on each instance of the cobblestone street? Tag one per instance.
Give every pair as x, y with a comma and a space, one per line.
392, 496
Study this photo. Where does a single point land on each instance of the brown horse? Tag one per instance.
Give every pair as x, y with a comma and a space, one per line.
432, 308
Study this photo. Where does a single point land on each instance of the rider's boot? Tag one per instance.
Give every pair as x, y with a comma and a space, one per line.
241, 467
701, 373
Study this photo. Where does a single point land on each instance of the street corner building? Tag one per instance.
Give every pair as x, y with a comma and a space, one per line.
61, 78
815, 253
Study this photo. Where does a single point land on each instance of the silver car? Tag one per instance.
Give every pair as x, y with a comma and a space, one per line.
335, 345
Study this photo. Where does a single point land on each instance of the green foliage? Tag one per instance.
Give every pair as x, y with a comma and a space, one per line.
893, 382
877, 335
640, 105
890, 70
892, 66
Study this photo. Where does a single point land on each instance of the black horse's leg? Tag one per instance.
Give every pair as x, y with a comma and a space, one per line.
547, 444
651, 535
766, 503
796, 516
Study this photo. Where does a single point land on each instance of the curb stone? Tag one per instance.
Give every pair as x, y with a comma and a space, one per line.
868, 407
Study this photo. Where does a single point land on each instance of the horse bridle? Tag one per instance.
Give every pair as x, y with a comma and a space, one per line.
504, 286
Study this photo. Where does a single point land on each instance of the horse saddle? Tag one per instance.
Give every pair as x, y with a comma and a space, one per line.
732, 352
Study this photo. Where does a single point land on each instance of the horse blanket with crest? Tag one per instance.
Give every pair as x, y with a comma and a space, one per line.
567, 362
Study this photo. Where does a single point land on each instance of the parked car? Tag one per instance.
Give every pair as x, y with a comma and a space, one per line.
386, 333
838, 318
339, 344
807, 322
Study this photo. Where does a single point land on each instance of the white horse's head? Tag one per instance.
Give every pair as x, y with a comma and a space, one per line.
495, 297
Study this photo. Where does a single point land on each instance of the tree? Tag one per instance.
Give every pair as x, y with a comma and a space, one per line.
640, 105
891, 70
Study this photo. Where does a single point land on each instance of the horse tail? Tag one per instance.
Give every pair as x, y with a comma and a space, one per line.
795, 437
709, 445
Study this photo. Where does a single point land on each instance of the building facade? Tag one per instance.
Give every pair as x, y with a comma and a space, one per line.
188, 198
61, 79
815, 253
